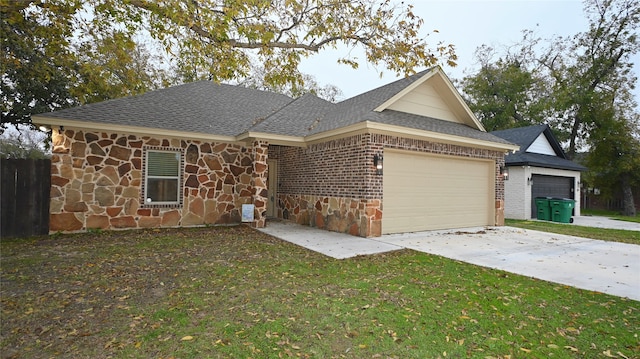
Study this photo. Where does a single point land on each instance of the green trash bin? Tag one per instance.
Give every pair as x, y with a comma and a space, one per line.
561, 209
543, 208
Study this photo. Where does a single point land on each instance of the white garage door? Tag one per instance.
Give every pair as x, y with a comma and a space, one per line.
428, 192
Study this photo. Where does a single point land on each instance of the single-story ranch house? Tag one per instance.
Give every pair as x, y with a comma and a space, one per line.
407, 156
539, 169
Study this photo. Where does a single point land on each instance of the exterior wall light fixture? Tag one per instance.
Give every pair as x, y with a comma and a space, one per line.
530, 181
504, 172
377, 162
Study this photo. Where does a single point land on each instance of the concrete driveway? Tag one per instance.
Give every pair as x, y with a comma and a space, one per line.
601, 266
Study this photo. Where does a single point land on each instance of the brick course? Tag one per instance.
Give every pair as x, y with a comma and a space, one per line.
334, 181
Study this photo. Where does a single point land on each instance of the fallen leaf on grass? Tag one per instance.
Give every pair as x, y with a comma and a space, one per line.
186, 338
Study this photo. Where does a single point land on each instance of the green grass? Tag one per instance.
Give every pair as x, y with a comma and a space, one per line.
610, 214
605, 234
237, 293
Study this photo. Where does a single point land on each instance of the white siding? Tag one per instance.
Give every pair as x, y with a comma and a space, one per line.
517, 190
542, 146
517, 194
424, 100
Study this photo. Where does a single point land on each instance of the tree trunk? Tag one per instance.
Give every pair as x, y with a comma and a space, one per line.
629, 206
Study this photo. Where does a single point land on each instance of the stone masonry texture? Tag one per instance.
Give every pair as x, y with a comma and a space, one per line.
98, 182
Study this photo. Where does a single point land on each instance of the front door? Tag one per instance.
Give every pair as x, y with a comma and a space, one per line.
272, 186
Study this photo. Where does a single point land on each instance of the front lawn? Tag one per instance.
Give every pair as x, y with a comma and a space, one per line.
232, 292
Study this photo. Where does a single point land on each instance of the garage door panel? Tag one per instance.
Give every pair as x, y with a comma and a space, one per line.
550, 186
426, 192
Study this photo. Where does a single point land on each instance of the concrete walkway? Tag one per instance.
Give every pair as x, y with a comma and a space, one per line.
604, 222
607, 267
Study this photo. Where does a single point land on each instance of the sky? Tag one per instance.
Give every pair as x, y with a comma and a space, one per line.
467, 24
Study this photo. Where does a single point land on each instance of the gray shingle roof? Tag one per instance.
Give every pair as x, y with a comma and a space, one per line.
220, 109
525, 136
201, 106
397, 118
296, 118
360, 108
540, 160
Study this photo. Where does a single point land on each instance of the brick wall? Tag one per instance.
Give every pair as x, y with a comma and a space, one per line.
339, 168
334, 185
331, 185
97, 182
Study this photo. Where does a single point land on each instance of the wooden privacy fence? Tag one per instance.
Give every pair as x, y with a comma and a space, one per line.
24, 197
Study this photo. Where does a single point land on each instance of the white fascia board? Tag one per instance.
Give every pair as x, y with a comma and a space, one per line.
463, 103
452, 90
273, 139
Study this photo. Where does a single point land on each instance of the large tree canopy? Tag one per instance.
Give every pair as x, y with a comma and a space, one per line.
505, 93
581, 86
59, 53
559, 81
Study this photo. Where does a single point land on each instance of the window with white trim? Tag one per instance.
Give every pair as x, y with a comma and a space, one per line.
162, 177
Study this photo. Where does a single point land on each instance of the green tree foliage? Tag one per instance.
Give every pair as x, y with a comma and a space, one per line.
592, 81
62, 53
52, 58
614, 150
593, 69
581, 86
504, 93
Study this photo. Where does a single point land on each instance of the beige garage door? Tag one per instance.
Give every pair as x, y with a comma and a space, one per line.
428, 192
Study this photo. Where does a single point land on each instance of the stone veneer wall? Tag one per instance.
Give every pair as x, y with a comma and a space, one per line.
97, 182
333, 185
358, 217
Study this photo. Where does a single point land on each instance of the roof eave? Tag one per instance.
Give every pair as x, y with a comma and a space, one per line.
144, 131
286, 140
545, 165
375, 127
272, 139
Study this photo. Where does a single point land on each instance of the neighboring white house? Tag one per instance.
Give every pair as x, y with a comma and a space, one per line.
539, 169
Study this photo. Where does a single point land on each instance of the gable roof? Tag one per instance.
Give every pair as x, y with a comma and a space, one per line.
434, 79
219, 112
525, 137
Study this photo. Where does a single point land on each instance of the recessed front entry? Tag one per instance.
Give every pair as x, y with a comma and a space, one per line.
429, 192
272, 188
